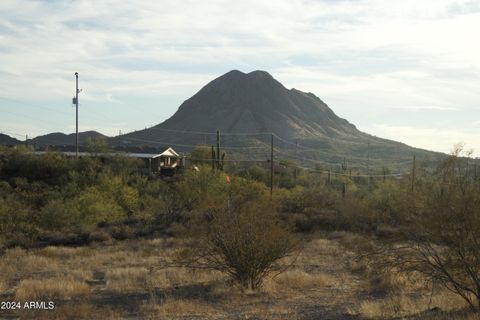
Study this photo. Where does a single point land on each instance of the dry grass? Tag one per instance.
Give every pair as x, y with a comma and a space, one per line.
127, 279
298, 280
404, 305
65, 252
323, 278
75, 311
277, 312
173, 277
19, 261
389, 282
58, 288
3, 286
173, 309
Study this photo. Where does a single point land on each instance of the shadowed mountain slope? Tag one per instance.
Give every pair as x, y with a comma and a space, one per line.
59, 139
6, 140
256, 103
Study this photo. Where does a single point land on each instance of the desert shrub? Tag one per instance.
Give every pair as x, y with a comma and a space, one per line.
59, 213
15, 217
244, 241
286, 178
303, 223
200, 190
96, 145
5, 189
95, 207
256, 173
440, 238
390, 200
354, 214
116, 188
51, 168
201, 155
121, 165
301, 199
89, 208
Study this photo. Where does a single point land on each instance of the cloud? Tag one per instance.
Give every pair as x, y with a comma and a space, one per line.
438, 139
361, 57
437, 108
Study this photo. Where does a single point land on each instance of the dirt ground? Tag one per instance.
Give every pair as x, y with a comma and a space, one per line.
134, 279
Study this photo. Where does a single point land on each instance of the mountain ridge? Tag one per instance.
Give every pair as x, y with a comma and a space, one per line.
246, 108
60, 138
255, 102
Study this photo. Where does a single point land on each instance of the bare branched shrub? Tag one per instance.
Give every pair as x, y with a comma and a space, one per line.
243, 240
441, 235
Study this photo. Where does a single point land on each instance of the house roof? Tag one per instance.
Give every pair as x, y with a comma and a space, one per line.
169, 152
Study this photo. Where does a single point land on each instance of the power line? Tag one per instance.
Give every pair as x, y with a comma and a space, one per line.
55, 110
226, 160
186, 145
30, 117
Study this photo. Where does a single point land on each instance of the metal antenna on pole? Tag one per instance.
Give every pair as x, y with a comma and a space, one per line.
76, 113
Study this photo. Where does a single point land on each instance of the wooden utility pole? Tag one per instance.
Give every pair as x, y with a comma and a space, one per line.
76, 113
368, 165
271, 168
218, 149
296, 152
119, 135
344, 184
413, 173
213, 158
26, 140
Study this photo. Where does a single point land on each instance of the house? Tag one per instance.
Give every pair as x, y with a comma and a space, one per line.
166, 163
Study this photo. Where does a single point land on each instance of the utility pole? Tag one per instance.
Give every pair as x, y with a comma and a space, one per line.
271, 168
76, 113
466, 169
119, 135
26, 140
413, 173
344, 184
218, 149
368, 165
296, 152
213, 158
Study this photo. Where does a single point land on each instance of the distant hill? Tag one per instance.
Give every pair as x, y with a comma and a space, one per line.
8, 141
62, 139
256, 103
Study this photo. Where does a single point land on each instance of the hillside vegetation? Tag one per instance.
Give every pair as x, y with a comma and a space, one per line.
392, 241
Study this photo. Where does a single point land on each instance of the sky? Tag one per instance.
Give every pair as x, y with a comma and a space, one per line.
403, 70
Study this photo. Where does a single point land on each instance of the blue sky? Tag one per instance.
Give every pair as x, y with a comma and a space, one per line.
404, 70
